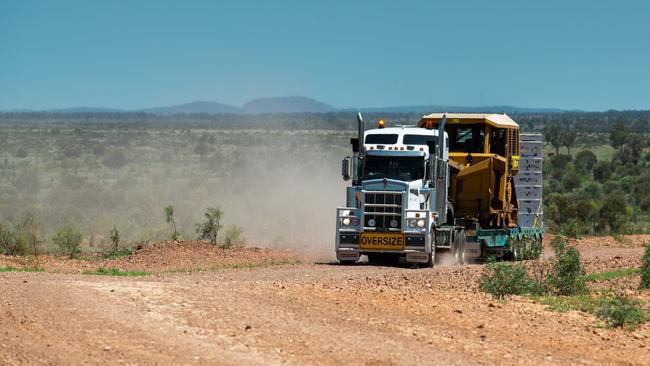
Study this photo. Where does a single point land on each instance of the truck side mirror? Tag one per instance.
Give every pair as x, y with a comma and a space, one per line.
346, 168
432, 162
355, 144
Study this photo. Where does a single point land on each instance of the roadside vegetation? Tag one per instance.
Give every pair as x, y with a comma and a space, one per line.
99, 171
14, 269
597, 184
562, 285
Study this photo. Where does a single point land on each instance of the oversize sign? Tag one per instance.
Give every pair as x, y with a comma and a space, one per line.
381, 241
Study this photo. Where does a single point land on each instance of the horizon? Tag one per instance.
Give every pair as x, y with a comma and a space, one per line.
74, 54
335, 108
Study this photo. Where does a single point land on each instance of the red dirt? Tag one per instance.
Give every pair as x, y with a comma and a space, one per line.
300, 314
160, 257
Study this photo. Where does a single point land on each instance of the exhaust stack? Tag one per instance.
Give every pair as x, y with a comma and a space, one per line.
360, 130
441, 136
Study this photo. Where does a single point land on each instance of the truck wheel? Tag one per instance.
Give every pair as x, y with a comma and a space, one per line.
432, 257
347, 263
459, 247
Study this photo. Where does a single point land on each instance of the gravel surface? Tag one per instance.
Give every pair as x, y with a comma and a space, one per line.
302, 314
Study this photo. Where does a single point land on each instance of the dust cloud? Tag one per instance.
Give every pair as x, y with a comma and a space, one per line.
281, 186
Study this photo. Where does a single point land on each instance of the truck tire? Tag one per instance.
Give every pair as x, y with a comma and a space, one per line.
347, 263
432, 257
459, 247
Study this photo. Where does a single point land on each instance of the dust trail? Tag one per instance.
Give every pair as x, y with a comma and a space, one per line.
281, 186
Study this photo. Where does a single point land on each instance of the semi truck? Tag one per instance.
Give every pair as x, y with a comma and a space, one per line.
447, 185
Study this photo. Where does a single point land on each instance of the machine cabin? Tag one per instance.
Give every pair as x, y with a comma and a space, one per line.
483, 159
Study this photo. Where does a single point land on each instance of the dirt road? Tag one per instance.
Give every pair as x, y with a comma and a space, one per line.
297, 314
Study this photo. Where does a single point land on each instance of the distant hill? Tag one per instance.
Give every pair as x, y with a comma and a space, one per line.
86, 110
458, 109
300, 104
286, 105
195, 107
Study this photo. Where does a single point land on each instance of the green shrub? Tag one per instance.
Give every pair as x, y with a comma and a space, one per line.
234, 237
622, 311
567, 275
645, 268
68, 238
501, 279
117, 253
209, 229
570, 228
8, 243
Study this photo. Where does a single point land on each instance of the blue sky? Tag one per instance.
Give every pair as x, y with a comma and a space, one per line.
591, 55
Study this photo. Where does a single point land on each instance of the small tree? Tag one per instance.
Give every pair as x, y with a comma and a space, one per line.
26, 233
209, 229
571, 181
553, 134
68, 238
613, 211
169, 218
115, 238
586, 161
619, 134
568, 139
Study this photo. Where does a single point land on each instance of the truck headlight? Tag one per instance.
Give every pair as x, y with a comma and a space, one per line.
420, 223
346, 221
412, 223
355, 222
372, 222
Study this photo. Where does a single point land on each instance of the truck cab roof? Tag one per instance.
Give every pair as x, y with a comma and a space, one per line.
401, 139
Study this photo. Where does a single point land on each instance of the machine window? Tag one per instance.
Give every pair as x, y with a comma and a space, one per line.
467, 138
381, 139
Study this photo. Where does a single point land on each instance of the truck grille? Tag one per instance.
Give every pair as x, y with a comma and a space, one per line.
383, 207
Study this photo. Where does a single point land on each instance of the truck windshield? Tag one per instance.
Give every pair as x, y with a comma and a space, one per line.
392, 167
